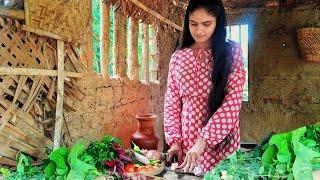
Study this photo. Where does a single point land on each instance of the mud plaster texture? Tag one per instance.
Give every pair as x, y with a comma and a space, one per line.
283, 89
109, 107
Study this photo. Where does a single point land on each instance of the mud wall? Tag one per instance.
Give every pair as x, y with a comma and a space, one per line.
283, 89
109, 107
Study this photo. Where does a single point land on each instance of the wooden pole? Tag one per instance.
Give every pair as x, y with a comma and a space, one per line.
13, 13
155, 14
45, 33
154, 55
26, 12
60, 89
105, 38
145, 52
35, 72
87, 48
133, 49
120, 45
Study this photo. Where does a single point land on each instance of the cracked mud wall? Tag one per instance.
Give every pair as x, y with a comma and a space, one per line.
283, 89
109, 107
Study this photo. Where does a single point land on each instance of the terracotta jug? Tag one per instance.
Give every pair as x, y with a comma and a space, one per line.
145, 136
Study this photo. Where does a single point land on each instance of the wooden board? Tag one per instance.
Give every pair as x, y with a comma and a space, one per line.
63, 20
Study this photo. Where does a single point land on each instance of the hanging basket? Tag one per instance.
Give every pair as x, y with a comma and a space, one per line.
309, 44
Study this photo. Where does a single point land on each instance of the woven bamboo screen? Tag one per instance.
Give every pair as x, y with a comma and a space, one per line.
27, 103
59, 19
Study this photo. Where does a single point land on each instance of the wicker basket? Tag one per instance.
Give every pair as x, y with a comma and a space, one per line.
309, 44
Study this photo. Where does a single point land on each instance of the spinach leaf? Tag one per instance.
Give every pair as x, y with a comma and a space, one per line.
59, 157
269, 155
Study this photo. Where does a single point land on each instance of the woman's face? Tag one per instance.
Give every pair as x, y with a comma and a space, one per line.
201, 25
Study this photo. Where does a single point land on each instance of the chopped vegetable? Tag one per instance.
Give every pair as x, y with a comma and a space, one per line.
154, 162
130, 168
142, 158
136, 148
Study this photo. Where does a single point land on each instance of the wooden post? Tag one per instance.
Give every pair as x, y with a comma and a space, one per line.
105, 38
87, 48
154, 56
145, 52
13, 13
133, 50
120, 45
60, 89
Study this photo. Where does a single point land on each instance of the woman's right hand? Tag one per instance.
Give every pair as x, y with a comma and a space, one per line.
175, 149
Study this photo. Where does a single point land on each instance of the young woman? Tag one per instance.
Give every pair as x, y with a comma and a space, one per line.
204, 90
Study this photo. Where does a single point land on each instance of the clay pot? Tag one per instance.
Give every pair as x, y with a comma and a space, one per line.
145, 136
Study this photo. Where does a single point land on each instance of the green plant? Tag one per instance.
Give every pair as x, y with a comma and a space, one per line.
5, 172
73, 164
292, 155
102, 151
24, 170
96, 31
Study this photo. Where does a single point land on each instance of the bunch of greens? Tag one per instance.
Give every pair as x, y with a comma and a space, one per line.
24, 170
109, 156
102, 151
70, 164
238, 165
292, 155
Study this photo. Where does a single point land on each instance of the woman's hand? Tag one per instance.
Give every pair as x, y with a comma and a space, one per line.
192, 156
175, 149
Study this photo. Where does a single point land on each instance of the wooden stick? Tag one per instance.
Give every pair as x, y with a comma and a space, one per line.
35, 72
13, 13
87, 48
7, 161
105, 39
27, 12
155, 14
59, 106
44, 33
154, 55
133, 50
145, 52
120, 45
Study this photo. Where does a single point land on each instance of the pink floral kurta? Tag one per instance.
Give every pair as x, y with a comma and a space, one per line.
186, 99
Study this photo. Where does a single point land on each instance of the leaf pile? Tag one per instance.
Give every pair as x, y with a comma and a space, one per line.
70, 164
292, 155
24, 170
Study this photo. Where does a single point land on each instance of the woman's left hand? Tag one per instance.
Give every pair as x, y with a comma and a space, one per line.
192, 156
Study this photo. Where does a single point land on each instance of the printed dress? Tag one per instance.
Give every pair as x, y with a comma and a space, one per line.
186, 101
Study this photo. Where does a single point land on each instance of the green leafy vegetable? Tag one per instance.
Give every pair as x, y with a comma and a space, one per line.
5, 172
101, 151
292, 155
65, 164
